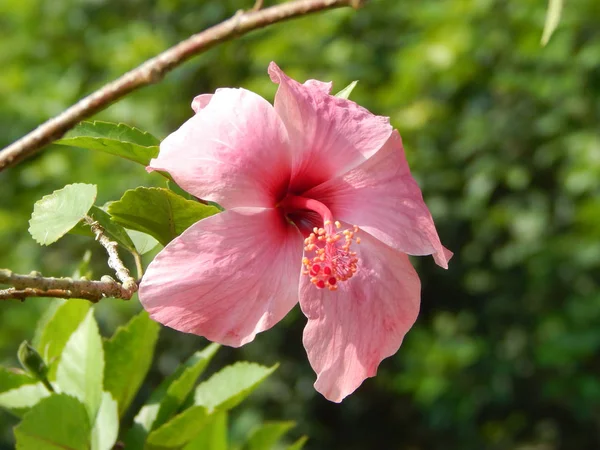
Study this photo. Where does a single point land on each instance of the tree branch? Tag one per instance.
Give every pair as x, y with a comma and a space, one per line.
34, 285
155, 69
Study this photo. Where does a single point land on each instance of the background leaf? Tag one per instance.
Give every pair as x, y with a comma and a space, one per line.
158, 212
299, 444
58, 422
55, 214
143, 242
116, 139
81, 367
106, 426
128, 355
228, 387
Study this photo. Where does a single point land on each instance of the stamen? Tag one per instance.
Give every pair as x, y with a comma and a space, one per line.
332, 260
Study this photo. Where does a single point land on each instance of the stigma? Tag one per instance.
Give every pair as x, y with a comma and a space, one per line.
331, 261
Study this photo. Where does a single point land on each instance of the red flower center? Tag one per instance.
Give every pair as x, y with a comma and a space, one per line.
327, 255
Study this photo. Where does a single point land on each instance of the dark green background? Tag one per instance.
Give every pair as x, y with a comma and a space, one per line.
501, 133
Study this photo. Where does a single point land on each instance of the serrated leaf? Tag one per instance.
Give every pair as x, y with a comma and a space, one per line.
158, 212
180, 430
231, 385
299, 444
143, 242
19, 400
114, 230
58, 422
169, 397
266, 436
552, 19
56, 327
55, 214
106, 426
116, 139
213, 435
128, 355
345, 93
81, 367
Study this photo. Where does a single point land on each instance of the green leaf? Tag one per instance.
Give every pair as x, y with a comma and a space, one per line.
19, 400
213, 436
552, 19
11, 379
143, 242
81, 365
169, 397
180, 430
230, 386
106, 427
58, 422
116, 139
128, 355
56, 327
299, 444
55, 214
266, 436
114, 230
158, 212
345, 93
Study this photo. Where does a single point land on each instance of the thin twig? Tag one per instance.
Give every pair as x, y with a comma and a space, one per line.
258, 4
138, 264
114, 261
35, 285
155, 69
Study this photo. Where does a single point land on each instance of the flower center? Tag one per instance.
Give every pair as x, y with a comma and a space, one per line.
327, 255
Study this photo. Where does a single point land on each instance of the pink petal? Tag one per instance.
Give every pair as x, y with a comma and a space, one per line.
200, 101
329, 135
227, 277
382, 198
233, 151
351, 330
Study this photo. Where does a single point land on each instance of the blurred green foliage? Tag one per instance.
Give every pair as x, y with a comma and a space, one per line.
502, 135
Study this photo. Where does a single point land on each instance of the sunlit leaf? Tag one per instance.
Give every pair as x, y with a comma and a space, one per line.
345, 93
106, 426
228, 387
552, 19
266, 436
58, 324
180, 430
20, 399
58, 422
213, 435
169, 397
143, 242
128, 355
116, 139
55, 214
81, 367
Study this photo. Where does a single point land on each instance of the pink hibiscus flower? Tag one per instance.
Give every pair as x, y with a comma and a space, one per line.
321, 208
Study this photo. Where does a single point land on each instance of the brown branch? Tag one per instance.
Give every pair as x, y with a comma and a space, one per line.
155, 69
34, 285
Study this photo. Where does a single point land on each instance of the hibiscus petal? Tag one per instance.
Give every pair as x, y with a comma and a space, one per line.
200, 101
351, 330
233, 151
382, 198
227, 277
328, 135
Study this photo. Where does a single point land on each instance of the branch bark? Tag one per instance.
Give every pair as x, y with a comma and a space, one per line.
35, 285
155, 69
